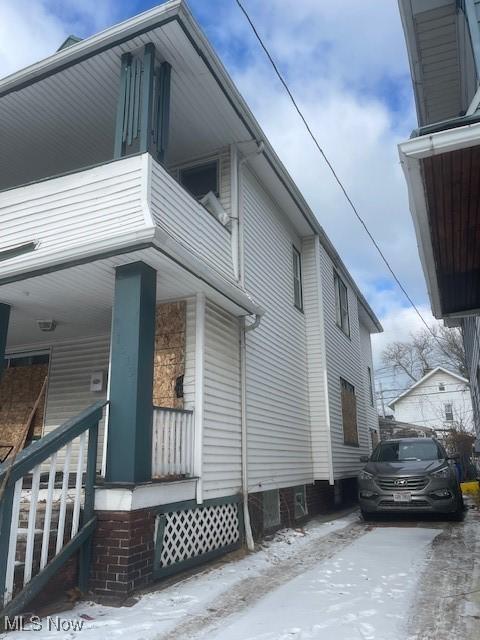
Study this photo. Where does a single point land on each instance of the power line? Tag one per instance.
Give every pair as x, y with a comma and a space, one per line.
335, 175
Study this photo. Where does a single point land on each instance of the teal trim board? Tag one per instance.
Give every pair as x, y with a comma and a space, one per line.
129, 446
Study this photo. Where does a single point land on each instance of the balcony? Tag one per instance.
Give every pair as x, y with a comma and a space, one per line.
111, 207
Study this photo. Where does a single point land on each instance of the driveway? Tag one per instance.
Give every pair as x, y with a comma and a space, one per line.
407, 579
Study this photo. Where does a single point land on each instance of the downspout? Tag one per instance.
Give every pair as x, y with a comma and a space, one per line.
236, 206
243, 379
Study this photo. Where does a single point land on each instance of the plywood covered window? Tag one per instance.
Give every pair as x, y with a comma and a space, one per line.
349, 413
341, 304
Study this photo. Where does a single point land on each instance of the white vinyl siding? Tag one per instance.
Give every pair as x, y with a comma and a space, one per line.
189, 375
344, 360
188, 222
279, 439
316, 359
222, 438
71, 365
66, 213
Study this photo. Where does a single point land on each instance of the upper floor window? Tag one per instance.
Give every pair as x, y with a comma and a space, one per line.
297, 279
200, 179
370, 385
349, 413
441, 386
341, 304
449, 412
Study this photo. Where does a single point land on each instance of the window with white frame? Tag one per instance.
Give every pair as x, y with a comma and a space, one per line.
297, 279
441, 386
370, 386
341, 304
448, 412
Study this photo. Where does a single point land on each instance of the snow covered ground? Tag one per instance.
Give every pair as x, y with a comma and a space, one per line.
340, 580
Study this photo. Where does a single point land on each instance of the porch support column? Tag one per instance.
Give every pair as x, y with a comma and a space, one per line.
129, 445
4, 320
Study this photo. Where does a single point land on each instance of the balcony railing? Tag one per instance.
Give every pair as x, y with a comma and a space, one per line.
172, 445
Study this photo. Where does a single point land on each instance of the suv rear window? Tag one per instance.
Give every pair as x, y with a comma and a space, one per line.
405, 451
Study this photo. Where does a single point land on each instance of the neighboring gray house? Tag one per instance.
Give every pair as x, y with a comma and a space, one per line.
157, 258
440, 159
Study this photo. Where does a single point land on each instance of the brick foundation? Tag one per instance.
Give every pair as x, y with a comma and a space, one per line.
319, 498
122, 553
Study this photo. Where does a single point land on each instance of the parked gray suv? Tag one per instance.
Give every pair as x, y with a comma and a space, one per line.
409, 474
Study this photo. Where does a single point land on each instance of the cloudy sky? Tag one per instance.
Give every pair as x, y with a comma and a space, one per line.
346, 64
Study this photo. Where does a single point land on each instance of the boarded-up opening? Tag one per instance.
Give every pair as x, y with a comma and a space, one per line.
20, 385
169, 355
349, 413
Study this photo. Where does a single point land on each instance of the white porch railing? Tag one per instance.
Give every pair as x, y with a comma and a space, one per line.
172, 443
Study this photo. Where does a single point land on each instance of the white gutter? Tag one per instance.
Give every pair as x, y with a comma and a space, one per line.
234, 217
243, 384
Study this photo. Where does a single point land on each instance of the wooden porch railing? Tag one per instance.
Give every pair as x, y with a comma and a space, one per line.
172, 445
46, 548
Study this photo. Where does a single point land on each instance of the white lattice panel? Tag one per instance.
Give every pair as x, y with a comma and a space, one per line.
193, 532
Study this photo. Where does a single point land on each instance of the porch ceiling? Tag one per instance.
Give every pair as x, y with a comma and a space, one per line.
452, 189
80, 298
67, 120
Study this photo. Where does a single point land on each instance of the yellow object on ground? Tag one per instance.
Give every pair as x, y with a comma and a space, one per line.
472, 488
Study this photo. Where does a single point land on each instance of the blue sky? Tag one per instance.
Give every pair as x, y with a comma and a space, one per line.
346, 64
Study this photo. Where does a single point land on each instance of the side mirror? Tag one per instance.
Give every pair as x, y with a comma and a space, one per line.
364, 458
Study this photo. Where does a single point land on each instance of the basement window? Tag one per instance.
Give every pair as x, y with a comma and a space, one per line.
271, 509
200, 179
300, 502
349, 413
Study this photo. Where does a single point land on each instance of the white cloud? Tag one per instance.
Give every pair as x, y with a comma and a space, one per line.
30, 31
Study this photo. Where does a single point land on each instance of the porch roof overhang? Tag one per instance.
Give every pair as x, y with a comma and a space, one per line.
78, 294
441, 171
204, 100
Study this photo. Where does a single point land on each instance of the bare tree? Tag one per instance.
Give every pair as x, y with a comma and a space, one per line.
425, 350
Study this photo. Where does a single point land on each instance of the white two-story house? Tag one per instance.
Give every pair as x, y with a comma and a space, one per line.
162, 275
440, 400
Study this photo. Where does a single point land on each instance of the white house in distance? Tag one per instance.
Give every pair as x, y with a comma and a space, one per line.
158, 262
440, 400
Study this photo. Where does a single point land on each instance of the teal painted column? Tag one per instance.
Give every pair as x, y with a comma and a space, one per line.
4, 320
129, 445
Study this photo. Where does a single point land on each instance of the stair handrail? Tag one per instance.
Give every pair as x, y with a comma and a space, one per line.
13, 472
